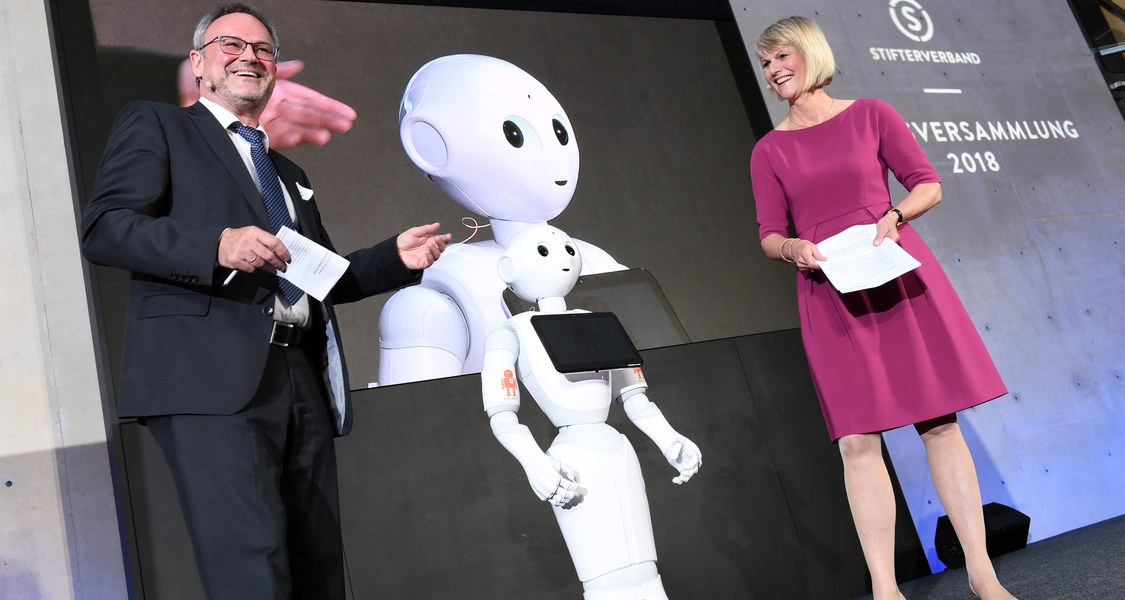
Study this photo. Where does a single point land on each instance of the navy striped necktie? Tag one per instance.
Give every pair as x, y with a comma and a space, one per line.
272, 196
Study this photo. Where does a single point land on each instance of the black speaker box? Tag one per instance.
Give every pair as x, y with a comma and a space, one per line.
1005, 530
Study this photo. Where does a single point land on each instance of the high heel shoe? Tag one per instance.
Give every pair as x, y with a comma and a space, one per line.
976, 595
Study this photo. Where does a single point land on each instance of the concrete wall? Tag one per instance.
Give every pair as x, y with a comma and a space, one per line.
58, 522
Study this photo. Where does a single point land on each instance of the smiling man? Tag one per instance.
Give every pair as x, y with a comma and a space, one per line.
236, 372
240, 76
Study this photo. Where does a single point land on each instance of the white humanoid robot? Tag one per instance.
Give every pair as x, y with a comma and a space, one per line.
590, 474
499, 144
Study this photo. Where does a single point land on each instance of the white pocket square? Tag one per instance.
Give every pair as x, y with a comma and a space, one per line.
305, 192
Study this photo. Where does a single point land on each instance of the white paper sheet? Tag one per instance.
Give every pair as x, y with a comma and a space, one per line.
313, 268
855, 264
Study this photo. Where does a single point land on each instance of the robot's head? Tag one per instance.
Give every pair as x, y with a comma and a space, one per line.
491, 136
540, 262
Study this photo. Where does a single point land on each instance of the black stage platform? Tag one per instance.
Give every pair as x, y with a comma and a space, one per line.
1086, 564
433, 507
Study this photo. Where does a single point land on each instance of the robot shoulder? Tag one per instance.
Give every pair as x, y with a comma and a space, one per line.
421, 316
596, 260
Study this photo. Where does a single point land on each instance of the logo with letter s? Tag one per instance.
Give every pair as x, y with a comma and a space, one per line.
912, 20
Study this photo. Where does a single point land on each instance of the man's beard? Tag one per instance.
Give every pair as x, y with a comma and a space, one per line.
244, 100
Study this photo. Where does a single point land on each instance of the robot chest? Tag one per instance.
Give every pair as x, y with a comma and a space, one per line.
566, 398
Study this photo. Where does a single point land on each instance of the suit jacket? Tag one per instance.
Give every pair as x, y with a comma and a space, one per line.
169, 183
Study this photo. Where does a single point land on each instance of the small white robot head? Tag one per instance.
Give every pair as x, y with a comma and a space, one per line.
540, 262
491, 136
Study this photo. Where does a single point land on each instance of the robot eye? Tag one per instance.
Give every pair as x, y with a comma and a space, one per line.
570, 249
513, 134
560, 131
543, 250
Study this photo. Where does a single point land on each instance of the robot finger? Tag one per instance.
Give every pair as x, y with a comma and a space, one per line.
563, 494
685, 475
566, 471
575, 497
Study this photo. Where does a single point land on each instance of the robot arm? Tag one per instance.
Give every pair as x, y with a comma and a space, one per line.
549, 478
681, 452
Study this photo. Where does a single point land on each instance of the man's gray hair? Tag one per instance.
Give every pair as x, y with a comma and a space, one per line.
230, 9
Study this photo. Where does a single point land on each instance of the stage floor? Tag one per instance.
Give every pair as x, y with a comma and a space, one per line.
1086, 563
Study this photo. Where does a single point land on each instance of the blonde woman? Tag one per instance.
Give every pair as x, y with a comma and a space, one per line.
902, 353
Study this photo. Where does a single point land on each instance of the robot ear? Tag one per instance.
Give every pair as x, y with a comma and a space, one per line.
507, 269
424, 145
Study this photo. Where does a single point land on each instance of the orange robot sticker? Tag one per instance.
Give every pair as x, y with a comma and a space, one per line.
640, 375
508, 382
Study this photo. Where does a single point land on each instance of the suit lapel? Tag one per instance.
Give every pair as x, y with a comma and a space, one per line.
220, 143
305, 217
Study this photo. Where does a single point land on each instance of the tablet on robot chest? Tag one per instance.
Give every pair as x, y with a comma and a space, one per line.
583, 342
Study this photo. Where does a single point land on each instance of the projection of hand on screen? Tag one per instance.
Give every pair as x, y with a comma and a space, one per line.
590, 474
498, 143
295, 114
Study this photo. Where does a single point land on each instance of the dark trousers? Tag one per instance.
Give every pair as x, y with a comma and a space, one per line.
259, 490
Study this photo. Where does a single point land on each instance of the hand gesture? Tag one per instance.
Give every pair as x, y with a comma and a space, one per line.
250, 248
555, 482
807, 255
419, 246
296, 114
685, 456
886, 227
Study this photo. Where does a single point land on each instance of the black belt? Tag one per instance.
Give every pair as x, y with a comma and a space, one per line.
288, 334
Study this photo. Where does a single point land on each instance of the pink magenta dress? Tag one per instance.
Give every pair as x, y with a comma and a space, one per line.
882, 358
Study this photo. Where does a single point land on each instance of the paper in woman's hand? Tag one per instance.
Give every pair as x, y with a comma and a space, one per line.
855, 263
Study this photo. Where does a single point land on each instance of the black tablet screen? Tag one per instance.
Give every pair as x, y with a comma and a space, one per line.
581, 342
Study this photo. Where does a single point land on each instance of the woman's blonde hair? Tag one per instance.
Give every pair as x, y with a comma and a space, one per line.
806, 37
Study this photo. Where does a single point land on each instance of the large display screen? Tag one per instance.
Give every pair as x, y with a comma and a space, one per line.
656, 111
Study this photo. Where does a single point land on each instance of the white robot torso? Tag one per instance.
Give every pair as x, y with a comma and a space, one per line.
566, 399
590, 474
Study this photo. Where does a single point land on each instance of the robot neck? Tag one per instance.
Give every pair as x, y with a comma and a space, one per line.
552, 305
504, 231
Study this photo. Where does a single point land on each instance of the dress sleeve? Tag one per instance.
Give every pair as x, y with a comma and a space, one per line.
769, 197
900, 151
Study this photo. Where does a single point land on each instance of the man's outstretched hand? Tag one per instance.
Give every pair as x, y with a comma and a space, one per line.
420, 246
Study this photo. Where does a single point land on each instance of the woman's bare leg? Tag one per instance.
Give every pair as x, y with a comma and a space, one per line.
955, 478
872, 503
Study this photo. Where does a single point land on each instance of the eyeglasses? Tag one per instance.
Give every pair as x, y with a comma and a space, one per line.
234, 46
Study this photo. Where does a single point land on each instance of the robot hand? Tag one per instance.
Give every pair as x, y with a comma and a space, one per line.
550, 479
681, 452
685, 456
555, 482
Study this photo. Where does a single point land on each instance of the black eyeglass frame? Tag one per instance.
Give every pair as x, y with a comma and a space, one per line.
257, 46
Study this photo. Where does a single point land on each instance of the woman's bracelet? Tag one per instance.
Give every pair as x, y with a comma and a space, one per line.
787, 259
898, 212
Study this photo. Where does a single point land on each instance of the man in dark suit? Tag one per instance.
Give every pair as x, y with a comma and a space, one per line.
238, 376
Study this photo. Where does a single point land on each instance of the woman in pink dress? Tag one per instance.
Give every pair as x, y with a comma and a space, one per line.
902, 353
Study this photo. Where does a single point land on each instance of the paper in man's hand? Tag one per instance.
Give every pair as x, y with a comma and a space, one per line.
312, 267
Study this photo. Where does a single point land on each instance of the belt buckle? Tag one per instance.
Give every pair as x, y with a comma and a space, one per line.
279, 326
